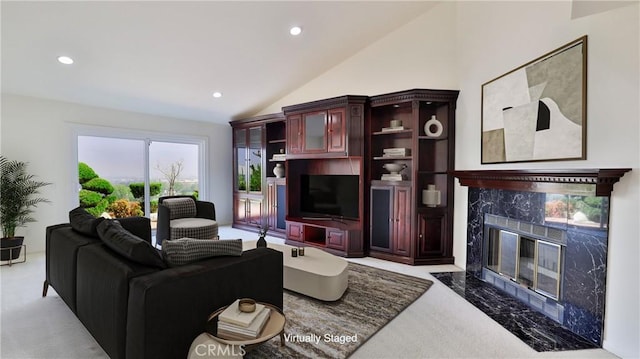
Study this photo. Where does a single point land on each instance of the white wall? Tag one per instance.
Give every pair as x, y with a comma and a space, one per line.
40, 132
461, 45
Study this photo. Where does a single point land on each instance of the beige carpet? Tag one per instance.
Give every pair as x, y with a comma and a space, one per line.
317, 329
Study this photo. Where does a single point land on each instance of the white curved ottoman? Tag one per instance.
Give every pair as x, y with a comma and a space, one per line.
317, 274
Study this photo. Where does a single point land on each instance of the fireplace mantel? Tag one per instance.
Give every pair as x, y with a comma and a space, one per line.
549, 181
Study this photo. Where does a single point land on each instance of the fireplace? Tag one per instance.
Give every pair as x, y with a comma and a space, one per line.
541, 238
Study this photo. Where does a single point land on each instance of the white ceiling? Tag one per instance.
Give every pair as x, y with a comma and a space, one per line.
167, 58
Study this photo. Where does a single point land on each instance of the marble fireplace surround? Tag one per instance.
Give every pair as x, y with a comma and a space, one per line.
521, 195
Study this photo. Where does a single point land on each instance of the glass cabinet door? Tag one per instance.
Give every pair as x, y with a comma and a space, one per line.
315, 132
255, 159
240, 139
248, 165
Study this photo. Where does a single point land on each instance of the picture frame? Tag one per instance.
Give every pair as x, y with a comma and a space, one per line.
538, 111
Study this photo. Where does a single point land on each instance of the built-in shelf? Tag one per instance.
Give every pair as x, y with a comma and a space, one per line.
549, 181
405, 132
395, 158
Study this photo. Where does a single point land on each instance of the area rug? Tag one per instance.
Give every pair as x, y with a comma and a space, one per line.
317, 329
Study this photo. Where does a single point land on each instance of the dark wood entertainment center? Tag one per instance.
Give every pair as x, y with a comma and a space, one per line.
350, 136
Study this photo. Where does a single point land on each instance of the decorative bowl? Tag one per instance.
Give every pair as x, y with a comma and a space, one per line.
247, 305
394, 167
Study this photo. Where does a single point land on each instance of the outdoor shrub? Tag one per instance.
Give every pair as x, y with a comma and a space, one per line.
85, 173
154, 206
99, 209
137, 189
123, 208
100, 185
89, 198
122, 191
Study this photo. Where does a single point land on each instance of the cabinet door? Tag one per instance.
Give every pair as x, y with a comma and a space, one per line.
294, 134
240, 159
402, 221
294, 231
335, 238
254, 159
271, 205
240, 210
254, 211
281, 209
381, 217
314, 132
336, 131
431, 236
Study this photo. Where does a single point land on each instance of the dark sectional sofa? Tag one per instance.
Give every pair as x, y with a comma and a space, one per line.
139, 311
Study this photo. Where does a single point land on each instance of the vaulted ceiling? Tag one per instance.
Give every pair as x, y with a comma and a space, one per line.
167, 58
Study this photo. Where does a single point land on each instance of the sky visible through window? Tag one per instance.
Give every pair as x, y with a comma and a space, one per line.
122, 160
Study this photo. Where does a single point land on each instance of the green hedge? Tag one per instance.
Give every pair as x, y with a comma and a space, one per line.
100, 185
137, 189
85, 173
89, 198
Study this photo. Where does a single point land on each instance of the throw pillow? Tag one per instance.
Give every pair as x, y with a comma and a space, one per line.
185, 250
84, 222
128, 244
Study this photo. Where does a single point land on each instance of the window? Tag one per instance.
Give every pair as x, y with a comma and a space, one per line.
124, 174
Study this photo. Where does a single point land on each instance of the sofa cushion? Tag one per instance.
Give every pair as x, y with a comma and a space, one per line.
185, 250
180, 207
83, 222
129, 245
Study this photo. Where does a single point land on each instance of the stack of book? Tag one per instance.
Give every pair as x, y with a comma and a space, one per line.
396, 152
279, 157
234, 324
389, 129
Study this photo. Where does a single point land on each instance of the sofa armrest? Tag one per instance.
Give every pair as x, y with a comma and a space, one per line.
62, 244
168, 309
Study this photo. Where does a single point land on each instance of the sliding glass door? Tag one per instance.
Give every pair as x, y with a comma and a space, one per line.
123, 177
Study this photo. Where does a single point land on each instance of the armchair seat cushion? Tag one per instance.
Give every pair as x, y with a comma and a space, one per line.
197, 228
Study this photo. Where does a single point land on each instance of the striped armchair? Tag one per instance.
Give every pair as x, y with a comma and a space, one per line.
185, 217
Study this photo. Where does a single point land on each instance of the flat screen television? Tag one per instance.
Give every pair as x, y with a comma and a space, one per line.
330, 196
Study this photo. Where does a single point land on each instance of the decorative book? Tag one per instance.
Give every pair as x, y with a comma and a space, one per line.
391, 129
235, 332
233, 315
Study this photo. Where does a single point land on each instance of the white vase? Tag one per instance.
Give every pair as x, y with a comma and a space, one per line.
433, 127
278, 170
431, 196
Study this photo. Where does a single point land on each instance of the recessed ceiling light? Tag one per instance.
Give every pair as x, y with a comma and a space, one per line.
65, 60
217, 94
295, 31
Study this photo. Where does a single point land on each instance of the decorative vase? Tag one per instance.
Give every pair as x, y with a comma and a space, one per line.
278, 170
262, 231
431, 196
433, 127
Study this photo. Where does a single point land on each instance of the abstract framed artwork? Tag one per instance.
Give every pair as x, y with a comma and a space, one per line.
537, 112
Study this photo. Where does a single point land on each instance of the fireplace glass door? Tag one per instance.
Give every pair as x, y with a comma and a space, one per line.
548, 269
533, 263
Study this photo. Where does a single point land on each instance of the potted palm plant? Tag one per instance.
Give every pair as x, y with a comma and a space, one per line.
18, 191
